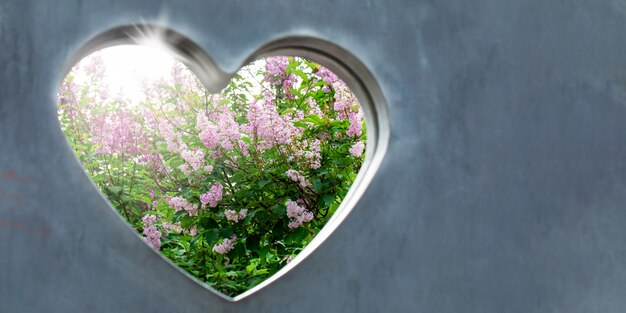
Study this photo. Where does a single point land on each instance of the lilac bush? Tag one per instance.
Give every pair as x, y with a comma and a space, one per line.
229, 186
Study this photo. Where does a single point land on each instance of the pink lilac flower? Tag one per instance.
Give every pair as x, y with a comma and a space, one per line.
326, 75
225, 246
208, 168
152, 235
213, 196
219, 128
298, 214
185, 168
356, 122
275, 67
308, 153
148, 220
233, 216
344, 98
180, 203
296, 176
174, 141
178, 74
149, 119
207, 130
67, 95
288, 84
172, 226
119, 133
357, 149
313, 107
269, 127
292, 174
154, 162
195, 158
243, 148
193, 230
186, 82
95, 66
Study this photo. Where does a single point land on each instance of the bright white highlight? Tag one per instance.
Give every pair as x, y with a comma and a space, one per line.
127, 66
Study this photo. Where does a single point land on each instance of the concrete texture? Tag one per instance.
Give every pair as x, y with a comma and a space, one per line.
503, 186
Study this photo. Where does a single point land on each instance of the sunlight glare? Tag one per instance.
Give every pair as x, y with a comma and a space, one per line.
127, 66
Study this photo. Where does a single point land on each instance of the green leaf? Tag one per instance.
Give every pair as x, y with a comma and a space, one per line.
263, 253
296, 237
250, 268
249, 217
186, 192
252, 243
301, 124
179, 215
195, 239
326, 200
211, 235
263, 182
317, 185
115, 189
186, 222
261, 272
226, 232
208, 222
136, 210
239, 250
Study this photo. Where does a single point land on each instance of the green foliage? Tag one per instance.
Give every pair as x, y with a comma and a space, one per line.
145, 158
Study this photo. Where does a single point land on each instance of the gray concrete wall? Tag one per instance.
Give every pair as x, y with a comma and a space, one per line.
503, 186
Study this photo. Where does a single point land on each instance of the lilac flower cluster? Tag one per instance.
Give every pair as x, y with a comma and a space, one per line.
174, 141
219, 129
307, 153
175, 227
326, 75
95, 67
298, 214
357, 149
154, 162
288, 84
180, 203
208, 168
297, 177
119, 133
213, 196
356, 119
235, 216
269, 127
225, 246
194, 159
152, 234
344, 99
276, 67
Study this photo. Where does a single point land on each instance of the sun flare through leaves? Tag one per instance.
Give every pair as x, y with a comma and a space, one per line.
229, 186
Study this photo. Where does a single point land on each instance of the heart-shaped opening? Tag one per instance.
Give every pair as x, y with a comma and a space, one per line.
230, 186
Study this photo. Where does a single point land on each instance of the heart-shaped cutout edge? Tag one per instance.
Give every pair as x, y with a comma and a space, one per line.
343, 63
